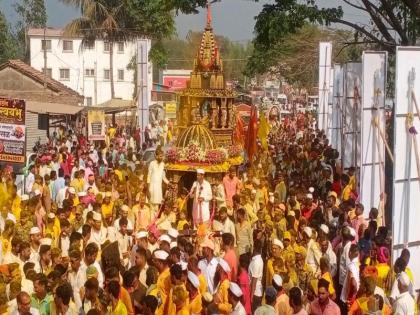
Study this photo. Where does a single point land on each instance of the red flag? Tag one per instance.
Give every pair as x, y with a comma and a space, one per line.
238, 133
251, 139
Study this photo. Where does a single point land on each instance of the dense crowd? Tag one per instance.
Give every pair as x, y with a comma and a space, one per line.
97, 230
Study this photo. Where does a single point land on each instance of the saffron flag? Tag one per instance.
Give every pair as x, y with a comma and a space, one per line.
263, 131
238, 133
251, 139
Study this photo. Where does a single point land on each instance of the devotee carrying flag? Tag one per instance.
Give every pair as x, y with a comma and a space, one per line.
263, 131
251, 139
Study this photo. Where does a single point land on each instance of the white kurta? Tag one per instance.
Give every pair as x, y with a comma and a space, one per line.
155, 177
201, 210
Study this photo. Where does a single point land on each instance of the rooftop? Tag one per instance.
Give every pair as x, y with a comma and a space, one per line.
49, 31
31, 72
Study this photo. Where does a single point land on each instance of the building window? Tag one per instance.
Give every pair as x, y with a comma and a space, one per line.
46, 44
67, 45
88, 101
64, 74
89, 45
107, 74
107, 46
89, 72
48, 72
120, 75
121, 47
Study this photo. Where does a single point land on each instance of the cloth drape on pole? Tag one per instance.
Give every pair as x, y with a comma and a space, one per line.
372, 153
406, 181
337, 108
325, 50
350, 144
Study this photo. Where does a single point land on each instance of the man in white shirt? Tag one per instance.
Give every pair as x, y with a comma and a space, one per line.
91, 252
155, 177
255, 272
404, 305
208, 265
348, 237
98, 233
76, 276
22, 306
30, 180
352, 281
35, 236
227, 225
202, 194
123, 214
234, 298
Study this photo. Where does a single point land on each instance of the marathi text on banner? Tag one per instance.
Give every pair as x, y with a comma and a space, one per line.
96, 125
12, 130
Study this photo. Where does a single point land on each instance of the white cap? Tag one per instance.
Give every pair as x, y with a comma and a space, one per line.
165, 238
352, 231
192, 277
108, 194
225, 266
309, 196
235, 289
184, 265
324, 228
271, 194
82, 194
292, 213
125, 208
71, 190
97, 216
404, 279
253, 191
34, 230
173, 233
308, 231
311, 190
278, 280
141, 234
278, 243
45, 241
200, 171
161, 254
37, 192
173, 244
24, 197
51, 215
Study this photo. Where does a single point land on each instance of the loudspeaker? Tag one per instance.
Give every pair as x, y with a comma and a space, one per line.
43, 121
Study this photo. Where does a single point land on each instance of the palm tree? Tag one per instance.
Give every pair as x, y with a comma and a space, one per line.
101, 19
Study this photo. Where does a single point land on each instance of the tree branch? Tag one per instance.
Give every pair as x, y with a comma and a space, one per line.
396, 24
363, 31
413, 5
377, 20
355, 6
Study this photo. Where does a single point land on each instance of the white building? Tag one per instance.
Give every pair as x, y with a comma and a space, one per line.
84, 68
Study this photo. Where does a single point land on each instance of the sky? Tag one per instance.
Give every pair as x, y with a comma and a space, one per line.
234, 19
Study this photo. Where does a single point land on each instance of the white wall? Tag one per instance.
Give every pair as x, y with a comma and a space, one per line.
80, 59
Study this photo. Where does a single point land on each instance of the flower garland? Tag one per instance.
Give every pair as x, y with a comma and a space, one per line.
193, 153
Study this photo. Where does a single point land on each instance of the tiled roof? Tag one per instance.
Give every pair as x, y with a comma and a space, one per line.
49, 31
31, 72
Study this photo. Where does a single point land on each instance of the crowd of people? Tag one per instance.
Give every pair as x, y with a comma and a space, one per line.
98, 231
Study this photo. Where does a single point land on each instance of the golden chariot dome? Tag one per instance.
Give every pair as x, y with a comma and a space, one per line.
199, 134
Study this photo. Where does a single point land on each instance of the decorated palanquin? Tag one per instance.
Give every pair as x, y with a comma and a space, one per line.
205, 117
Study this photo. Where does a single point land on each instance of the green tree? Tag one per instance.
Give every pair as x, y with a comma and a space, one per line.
296, 58
392, 23
8, 43
31, 13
